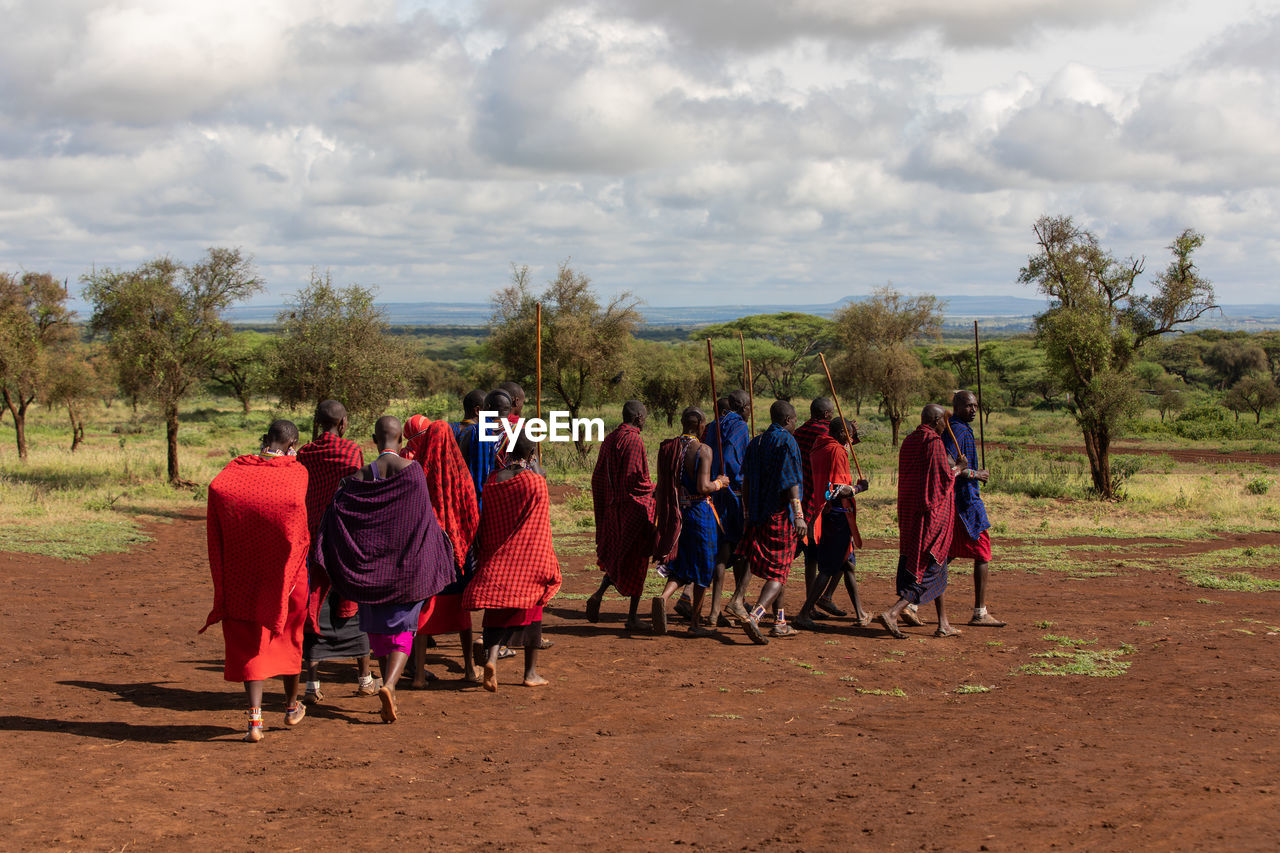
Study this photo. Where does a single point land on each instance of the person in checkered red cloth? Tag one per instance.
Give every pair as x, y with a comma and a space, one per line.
517, 572
622, 497
775, 525
926, 515
332, 631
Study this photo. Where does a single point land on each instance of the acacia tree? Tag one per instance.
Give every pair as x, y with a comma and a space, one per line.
1255, 394
782, 347
874, 334
1097, 323
334, 344
34, 322
164, 327
584, 345
242, 366
74, 383
669, 377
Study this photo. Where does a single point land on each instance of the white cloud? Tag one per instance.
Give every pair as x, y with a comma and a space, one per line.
690, 151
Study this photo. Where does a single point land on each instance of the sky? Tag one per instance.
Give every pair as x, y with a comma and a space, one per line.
718, 151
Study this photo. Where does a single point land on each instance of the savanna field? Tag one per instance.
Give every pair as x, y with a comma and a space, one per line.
1131, 702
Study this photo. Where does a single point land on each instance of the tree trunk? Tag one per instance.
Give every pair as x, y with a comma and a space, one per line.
1097, 445
77, 428
895, 421
671, 418
244, 403
171, 439
19, 413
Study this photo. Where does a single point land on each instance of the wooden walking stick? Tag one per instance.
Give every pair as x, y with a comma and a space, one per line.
538, 405
835, 399
977, 361
748, 380
715, 415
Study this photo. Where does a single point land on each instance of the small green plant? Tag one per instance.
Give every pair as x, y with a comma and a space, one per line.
1143, 623
1233, 581
875, 691
1094, 663
1258, 486
1044, 623
725, 716
967, 689
1207, 601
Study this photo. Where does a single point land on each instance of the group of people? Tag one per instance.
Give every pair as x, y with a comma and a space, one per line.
724, 500
316, 555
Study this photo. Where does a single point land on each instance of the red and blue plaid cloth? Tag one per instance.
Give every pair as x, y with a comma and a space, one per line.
926, 507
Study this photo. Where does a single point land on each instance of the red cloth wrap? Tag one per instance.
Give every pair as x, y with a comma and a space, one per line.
453, 494
770, 548
257, 531
328, 460
926, 505
666, 515
516, 564
622, 496
829, 462
965, 547
414, 430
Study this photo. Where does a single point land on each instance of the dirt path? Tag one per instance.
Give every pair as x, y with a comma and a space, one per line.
118, 729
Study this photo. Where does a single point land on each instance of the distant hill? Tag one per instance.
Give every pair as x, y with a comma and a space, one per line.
1000, 313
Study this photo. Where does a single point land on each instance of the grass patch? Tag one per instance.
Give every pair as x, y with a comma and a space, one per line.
968, 689
1207, 601
1073, 660
1232, 581
876, 691
1143, 623
75, 540
725, 716
1044, 623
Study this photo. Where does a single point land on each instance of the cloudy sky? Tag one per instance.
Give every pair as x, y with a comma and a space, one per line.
694, 151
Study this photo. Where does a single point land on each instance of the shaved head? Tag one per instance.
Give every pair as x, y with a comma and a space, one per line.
387, 432
692, 419
329, 414
634, 412
821, 409
781, 411
739, 401
281, 434
931, 414
840, 430
498, 401
472, 403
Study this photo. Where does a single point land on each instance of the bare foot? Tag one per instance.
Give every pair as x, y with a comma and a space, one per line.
864, 620
947, 631
535, 680
472, 675
490, 680
891, 626
253, 735
388, 700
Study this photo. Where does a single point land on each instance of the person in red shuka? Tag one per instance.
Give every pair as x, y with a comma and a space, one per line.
516, 568
926, 514
258, 538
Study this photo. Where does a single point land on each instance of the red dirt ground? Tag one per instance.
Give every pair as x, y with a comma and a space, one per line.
119, 731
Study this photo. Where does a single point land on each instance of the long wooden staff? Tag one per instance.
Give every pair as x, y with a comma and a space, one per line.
977, 360
751, 397
715, 415
848, 438
538, 405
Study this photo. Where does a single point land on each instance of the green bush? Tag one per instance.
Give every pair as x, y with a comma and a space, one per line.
1258, 486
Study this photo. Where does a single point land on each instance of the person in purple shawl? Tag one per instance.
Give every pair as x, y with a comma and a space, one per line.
381, 545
